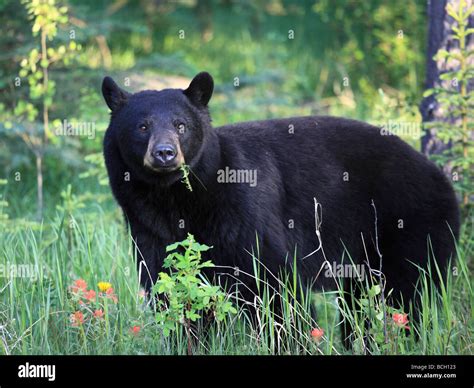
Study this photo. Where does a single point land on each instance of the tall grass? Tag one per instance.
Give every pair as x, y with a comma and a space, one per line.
35, 311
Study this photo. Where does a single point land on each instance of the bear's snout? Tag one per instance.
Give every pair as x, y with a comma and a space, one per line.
164, 154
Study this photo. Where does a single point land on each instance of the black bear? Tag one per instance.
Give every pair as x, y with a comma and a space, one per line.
257, 182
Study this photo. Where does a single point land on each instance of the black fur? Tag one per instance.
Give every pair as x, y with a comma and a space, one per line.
296, 160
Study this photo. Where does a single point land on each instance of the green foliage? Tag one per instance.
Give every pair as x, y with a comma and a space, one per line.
390, 55
185, 170
184, 295
6, 222
35, 313
3, 203
457, 101
45, 16
375, 322
278, 76
96, 169
70, 202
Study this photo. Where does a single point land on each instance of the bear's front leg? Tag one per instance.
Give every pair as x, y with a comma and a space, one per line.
150, 252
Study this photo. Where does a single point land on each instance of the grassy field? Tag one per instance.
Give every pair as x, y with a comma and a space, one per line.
37, 305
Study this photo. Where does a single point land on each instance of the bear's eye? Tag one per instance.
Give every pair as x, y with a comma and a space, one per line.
142, 127
181, 127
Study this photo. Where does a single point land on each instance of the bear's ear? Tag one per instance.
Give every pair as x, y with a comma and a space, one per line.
200, 89
113, 95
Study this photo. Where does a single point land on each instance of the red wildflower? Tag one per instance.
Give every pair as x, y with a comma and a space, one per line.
401, 320
89, 295
77, 318
135, 330
98, 313
80, 285
317, 334
111, 294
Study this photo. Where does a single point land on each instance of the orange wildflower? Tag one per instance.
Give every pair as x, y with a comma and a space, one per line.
80, 285
77, 318
317, 334
401, 320
111, 295
89, 295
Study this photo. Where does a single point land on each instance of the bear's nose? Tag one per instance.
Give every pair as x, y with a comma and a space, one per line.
164, 153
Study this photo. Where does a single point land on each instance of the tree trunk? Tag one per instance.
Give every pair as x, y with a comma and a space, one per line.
439, 37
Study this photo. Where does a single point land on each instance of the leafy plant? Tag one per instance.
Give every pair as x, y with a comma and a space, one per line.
184, 295
377, 325
458, 102
96, 169
185, 180
45, 16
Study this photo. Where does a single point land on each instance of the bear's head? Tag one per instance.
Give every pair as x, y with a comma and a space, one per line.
157, 132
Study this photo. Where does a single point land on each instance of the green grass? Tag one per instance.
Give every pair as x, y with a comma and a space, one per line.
35, 312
